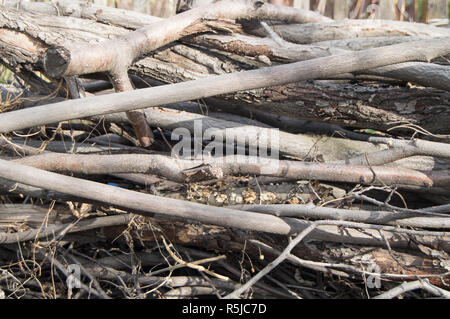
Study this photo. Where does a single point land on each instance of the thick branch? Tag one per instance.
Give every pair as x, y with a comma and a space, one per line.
138, 99
347, 29
145, 203
342, 104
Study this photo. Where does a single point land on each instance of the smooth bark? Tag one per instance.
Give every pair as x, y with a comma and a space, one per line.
145, 204
294, 72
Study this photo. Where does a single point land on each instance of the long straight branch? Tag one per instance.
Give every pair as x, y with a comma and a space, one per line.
349, 62
173, 169
117, 54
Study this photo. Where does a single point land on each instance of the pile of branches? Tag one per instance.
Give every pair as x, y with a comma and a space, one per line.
96, 202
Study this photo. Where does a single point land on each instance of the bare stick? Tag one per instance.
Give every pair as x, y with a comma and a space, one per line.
317, 68
402, 149
142, 202
405, 219
418, 284
174, 169
348, 29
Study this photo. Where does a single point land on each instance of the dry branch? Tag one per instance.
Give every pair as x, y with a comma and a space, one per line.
145, 204
54, 230
419, 284
286, 252
425, 74
174, 169
242, 44
304, 146
414, 240
294, 72
336, 103
116, 55
347, 29
405, 219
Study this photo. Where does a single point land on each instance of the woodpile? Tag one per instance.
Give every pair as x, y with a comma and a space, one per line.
237, 149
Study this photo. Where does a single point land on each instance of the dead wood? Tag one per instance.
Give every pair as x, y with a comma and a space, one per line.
354, 108
176, 169
220, 239
374, 221
239, 44
58, 229
265, 47
222, 84
145, 204
318, 32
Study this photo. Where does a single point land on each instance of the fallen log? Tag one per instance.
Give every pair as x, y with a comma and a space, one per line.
348, 29
237, 43
294, 72
145, 204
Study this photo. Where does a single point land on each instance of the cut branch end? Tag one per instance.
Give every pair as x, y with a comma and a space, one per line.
56, 61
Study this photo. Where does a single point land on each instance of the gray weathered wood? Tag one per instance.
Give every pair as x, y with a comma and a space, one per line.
386, 9
316, 32
437, 9
301, 4
340, 10
421, 50
345, 105
145, 204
